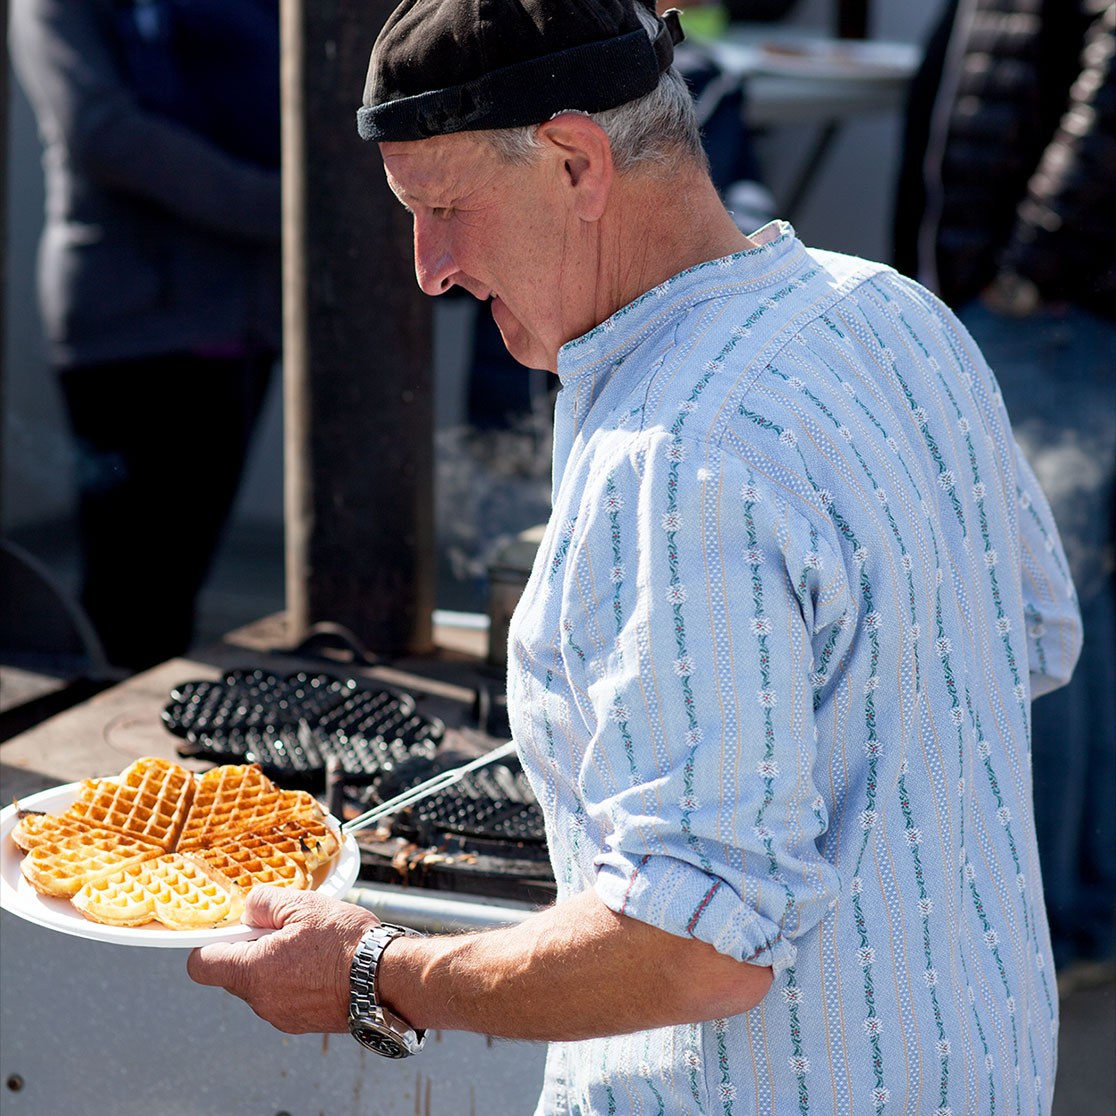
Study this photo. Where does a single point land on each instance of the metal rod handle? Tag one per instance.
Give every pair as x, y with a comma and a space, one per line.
423, 790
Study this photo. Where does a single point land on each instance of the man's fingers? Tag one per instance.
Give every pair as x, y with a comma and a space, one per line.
296, 974
269, 907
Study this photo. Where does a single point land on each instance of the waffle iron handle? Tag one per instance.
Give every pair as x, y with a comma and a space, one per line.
431, 786
329, 636
335, 785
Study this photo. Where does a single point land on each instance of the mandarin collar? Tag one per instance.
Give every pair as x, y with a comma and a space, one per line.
595, 373
609, 344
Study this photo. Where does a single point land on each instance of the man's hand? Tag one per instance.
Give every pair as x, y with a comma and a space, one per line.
297, 977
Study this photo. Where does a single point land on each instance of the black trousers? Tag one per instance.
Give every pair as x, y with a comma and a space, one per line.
160, 446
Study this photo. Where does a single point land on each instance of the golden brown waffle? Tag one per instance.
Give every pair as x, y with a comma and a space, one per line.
179, 893
286, 854
62, 866
253, 859
33, 830
238, 797
160, 843
316, 843
150, 800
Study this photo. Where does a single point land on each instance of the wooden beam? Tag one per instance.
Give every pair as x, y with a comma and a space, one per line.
852, 19
358, 383
5, 140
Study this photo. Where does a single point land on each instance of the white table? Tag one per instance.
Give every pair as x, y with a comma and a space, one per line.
795, 78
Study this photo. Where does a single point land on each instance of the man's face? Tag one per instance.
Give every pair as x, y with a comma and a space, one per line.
502, 231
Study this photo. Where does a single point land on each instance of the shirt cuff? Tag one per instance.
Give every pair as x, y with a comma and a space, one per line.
683, 900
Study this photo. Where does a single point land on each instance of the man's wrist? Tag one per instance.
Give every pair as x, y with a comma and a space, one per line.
395, 981
433, 981
371, 1021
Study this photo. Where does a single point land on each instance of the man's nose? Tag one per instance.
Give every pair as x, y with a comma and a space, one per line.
434, 266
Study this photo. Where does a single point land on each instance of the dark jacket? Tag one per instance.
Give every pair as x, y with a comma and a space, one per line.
155, 240
759, 11
1009, 160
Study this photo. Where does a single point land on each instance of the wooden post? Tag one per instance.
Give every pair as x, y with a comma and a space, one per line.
5, 140
852, 19
358, 382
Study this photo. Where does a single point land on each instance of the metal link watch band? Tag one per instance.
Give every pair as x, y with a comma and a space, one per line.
371, 1024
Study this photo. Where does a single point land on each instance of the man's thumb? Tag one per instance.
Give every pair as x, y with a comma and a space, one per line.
265, 907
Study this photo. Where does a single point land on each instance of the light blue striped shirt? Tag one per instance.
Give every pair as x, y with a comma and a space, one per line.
771, 681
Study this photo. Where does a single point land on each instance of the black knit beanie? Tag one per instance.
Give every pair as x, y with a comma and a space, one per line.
442, 66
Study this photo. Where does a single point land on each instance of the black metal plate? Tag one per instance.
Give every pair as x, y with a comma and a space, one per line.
292, 725
494, 803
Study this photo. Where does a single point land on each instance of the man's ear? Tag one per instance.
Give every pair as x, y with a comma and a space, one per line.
582, 157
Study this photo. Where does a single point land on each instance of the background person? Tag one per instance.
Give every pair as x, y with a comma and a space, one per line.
1007, 208
159, 281
771, 676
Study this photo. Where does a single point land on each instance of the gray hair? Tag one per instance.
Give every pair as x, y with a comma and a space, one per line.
657, 128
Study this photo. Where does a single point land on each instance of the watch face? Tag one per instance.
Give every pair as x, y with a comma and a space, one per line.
382, 1042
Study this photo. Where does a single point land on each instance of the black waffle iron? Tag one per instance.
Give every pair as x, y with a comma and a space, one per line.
294, 725
318, 732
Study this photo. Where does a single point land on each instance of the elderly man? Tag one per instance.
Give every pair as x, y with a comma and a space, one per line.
771, 676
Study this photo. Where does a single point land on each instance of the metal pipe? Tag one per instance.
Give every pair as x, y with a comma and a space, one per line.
432, 913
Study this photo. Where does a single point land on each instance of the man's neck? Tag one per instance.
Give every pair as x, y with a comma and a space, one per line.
661, 224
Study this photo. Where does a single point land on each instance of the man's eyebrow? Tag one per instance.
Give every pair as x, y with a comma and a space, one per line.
401, 201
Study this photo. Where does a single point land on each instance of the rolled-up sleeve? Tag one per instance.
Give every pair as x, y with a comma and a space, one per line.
722, 604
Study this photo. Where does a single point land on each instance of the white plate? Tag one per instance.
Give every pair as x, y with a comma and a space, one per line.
836, 58
19, 898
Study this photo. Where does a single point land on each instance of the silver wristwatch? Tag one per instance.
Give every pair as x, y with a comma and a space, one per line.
370, 1023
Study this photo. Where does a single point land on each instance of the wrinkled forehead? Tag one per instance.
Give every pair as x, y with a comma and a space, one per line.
419, 169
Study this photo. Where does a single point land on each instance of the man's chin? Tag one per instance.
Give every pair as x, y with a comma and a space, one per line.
520, 344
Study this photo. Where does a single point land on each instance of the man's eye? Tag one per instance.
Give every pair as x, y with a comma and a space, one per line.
441, 212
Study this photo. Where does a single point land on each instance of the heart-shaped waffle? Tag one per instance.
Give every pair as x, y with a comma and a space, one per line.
149, 801
236, 797
170, 889
160, 843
